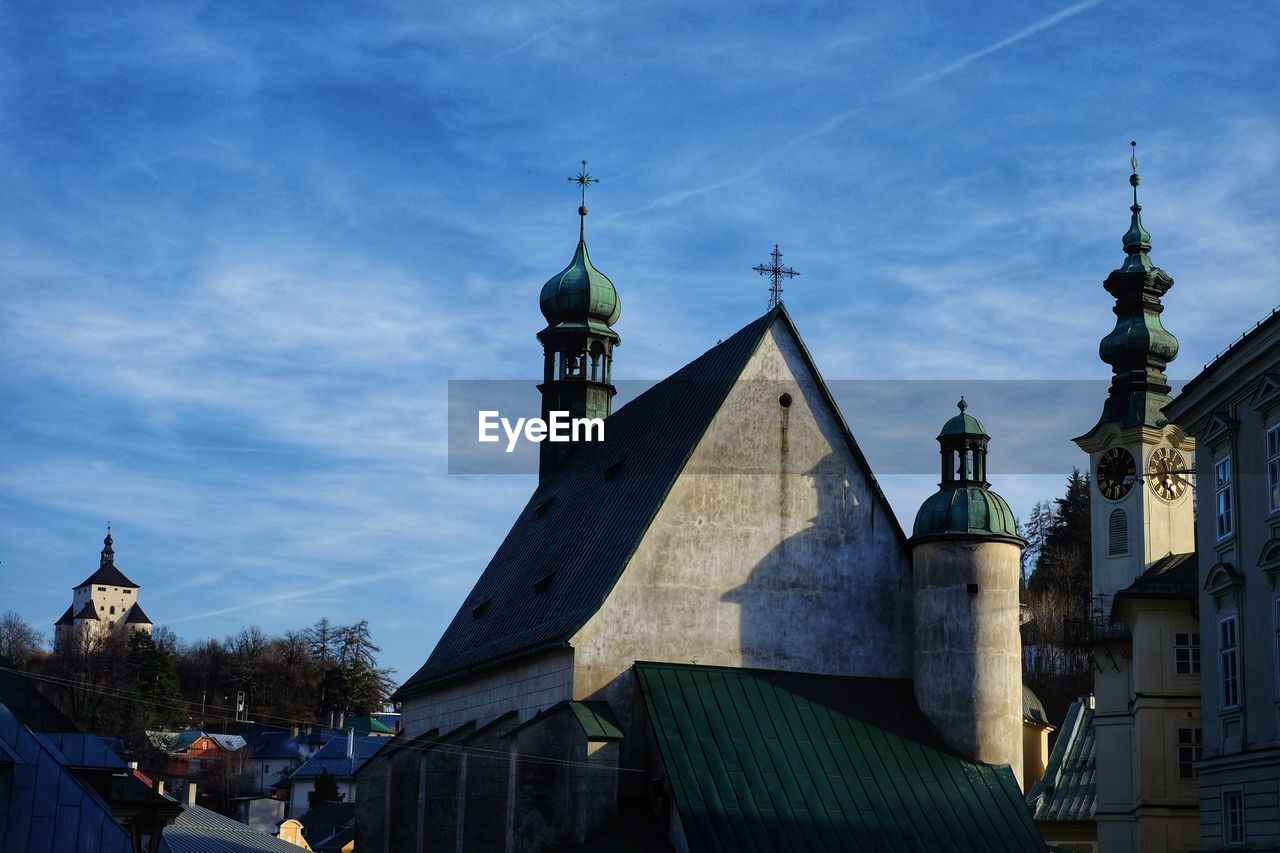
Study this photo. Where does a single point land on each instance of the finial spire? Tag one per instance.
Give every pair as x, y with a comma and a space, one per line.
583, 180
1137, 242
776, 273
962, 405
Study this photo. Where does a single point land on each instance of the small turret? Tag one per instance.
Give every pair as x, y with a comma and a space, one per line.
580, 305
966, 562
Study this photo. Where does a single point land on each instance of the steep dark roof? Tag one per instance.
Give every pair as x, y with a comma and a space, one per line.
763, 761
333, 757
1068, 789
107, 575
88, 611
199, 830
1171, 576
65, 618
579, 529
136, 616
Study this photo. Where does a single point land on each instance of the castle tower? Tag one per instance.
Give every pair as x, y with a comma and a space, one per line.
1141, 507
966, 562
580, 305
102, 603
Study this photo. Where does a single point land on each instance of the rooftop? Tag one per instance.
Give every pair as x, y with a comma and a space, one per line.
1068, 789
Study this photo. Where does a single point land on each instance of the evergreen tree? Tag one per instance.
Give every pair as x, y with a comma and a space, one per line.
325, 790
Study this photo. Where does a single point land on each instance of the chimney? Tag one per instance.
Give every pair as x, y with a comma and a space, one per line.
191, 793
351, 742
160, 787
132, 765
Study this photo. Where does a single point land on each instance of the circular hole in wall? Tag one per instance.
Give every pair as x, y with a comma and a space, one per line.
785, 401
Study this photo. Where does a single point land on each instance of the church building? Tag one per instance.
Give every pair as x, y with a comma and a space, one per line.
106, 602
709, 631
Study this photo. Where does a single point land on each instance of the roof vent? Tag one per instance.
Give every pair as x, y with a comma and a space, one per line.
544, 583
480, 609
545, 506
614, 469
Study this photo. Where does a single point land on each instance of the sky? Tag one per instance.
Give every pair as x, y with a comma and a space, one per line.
245, 247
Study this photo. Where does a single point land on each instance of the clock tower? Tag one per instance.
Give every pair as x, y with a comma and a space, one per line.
1141, 504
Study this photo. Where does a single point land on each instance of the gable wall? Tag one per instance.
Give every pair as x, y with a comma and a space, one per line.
770, 551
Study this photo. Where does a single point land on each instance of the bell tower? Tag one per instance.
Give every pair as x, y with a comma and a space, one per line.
580, 305
1141, 505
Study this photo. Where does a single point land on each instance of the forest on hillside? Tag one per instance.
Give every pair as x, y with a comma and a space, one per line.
125, 685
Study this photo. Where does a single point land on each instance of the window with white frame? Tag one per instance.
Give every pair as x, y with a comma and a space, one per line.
1233, 818
1229, 660
1190, 749
1222, 501
1186, 653
1273, 468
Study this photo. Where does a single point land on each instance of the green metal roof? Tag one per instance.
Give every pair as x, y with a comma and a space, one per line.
580, 292
963, 423
596, 720
367, 726
774, 761
966, 511
1068, 789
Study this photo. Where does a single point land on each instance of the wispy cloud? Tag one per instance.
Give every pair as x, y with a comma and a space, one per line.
1021, 35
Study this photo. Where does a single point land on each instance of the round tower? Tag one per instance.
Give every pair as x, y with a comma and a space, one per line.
966, 563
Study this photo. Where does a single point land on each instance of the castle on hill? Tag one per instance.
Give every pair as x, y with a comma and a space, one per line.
103, 603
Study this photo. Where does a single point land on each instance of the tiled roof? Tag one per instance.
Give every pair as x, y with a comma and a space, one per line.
333, 757
199, 830
585, 552
1068, 789
762, 761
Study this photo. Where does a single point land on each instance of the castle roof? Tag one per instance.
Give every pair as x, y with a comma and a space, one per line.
107, 573
137, 616
88, 611
66, 618
570, 559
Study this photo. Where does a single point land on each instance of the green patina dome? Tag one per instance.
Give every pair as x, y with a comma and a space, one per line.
963, 423
580, 294
967, 510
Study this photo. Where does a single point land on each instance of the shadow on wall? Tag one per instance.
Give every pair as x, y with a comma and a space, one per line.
803, 602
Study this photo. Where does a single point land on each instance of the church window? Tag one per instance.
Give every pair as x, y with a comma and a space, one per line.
480, 609
1273, 468
1186, 654
1233, 818
1118, 533
1222, 501
1229, 671
1190, 749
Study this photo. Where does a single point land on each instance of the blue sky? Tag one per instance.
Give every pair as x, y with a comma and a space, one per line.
244, 246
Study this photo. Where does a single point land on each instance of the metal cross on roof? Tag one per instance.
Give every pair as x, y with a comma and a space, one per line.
776, 273
582, 179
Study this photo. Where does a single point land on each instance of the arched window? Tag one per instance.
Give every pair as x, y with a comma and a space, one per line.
1118, 533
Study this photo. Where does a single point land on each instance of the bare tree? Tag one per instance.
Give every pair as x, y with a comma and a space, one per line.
19, 642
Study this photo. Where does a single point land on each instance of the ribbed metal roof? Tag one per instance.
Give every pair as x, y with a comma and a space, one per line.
199, 830
772, 761
1068, 789
333, 757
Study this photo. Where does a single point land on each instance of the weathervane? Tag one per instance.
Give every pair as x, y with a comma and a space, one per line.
1134, 179
776, 273
583, 180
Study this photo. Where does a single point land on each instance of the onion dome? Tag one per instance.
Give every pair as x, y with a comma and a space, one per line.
580, 293
964, 505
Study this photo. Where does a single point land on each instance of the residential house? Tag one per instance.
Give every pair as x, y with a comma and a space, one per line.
341, 757
1232, 409
273, 755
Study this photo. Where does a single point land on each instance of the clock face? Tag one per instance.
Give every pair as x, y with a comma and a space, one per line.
1167, 470
1116, 473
